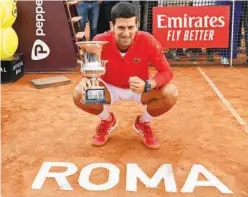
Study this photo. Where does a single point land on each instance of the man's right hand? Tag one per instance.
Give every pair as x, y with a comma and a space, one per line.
86, 83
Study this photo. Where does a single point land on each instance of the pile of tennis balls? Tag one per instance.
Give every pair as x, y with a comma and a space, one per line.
9, 39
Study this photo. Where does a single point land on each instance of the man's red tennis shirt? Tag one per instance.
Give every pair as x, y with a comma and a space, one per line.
145, 49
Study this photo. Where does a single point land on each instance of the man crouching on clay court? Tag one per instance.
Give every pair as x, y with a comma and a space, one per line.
129, 53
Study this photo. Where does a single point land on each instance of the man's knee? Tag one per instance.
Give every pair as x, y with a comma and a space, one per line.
77, 96
90, 108
170, 92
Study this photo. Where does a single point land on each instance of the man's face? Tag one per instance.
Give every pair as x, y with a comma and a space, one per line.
124, 30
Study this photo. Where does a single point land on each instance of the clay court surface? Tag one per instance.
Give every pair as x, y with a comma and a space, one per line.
43, 125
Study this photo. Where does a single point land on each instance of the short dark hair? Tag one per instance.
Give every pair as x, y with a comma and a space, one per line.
123, 10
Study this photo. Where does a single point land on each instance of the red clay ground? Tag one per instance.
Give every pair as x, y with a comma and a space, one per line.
44, 125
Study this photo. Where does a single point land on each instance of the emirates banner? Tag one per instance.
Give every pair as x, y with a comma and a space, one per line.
192, 27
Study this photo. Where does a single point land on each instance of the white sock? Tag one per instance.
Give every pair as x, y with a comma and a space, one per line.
145, 117
105, 113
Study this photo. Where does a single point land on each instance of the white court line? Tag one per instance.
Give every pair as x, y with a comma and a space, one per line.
225, 101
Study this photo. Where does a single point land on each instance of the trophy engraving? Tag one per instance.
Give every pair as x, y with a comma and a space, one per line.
93, 67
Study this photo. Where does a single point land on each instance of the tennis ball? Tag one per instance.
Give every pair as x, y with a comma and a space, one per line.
8, 13
8, 42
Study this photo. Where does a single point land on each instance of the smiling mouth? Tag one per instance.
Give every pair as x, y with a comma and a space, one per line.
125, 39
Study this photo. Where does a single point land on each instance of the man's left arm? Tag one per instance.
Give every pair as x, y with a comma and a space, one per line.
157, 59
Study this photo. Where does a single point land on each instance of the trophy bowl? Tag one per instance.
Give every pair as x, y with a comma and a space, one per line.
93, 67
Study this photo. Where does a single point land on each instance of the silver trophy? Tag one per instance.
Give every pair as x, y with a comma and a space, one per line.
93, 67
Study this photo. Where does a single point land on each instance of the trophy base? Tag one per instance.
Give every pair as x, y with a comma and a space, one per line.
95, 95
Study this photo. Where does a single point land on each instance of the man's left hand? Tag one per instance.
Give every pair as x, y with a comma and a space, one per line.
136, 84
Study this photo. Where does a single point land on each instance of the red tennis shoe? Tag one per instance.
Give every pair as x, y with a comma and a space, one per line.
145, 131
103, 131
